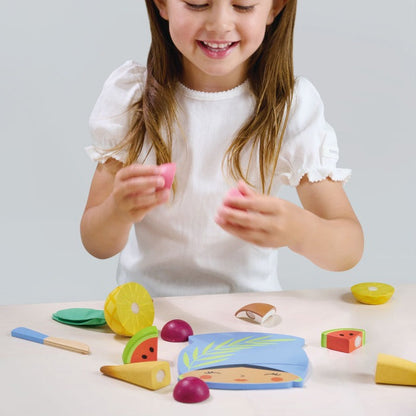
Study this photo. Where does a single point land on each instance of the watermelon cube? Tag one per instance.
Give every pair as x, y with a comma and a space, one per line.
343, 339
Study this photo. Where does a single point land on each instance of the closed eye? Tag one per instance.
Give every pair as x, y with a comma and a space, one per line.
243, 9
197, 7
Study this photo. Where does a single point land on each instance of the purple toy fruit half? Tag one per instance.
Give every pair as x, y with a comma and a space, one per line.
191, 390
176, 330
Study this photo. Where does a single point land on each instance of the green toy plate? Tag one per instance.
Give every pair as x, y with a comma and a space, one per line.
80, 317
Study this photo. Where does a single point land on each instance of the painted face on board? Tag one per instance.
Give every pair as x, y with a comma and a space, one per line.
242, 375
217, 37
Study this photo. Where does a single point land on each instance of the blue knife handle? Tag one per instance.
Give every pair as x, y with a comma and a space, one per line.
29, 334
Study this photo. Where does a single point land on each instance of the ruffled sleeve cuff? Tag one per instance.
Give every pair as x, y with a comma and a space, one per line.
315, 175
102, 155
309, 145
110, 119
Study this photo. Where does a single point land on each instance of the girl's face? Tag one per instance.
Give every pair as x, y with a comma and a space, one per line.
217, 37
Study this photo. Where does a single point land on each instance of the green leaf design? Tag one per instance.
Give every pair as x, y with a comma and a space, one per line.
223, 351
266, 338
195, 353
213, 357
219, 346
239, 341
186, 360
208, 347
207, 363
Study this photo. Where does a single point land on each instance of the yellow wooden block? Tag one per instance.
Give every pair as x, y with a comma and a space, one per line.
395, 370
152, 375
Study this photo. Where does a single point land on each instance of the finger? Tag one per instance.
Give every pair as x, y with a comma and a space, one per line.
141, 185
240, 218
249, 200
136, 170
232, 197
255, 201
245, 189
250, 235
147, 201
262, 204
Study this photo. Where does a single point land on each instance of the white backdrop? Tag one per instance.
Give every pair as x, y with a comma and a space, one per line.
55, 57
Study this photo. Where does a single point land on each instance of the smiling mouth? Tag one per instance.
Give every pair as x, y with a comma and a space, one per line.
217, 46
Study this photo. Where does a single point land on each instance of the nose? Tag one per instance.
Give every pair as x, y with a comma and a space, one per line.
220, 19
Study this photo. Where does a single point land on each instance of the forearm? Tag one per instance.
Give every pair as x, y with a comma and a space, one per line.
332, 244
103, 234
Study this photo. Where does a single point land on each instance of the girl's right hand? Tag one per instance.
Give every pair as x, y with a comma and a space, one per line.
119, 197
137, 189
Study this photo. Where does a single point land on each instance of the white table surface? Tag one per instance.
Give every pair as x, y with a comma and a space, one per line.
37, 379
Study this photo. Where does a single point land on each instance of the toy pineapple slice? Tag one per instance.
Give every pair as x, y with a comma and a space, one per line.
128, 309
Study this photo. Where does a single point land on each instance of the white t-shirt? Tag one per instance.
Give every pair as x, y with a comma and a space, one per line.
178, 249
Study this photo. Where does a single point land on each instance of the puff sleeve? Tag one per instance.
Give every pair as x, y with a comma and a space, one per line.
111, 116
309, 144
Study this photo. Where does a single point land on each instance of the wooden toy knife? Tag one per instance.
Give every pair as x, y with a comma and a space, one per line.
30, 335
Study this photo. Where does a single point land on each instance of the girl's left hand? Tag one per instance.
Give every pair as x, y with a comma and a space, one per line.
260, 219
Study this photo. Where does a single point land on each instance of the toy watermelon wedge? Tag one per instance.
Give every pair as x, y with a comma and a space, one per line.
142, 346
343, 339
128, 309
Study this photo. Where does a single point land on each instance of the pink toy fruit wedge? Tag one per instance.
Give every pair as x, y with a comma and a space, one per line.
233, 193
168, 172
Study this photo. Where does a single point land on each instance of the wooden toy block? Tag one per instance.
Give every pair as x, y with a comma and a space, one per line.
343, 339
142, 346
395, 370
152, 375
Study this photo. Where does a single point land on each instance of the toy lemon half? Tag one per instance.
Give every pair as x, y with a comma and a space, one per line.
372, 293
128, 309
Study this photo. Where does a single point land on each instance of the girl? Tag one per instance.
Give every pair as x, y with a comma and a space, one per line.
218, 97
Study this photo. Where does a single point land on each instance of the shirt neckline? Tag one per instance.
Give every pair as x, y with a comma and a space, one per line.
213, 96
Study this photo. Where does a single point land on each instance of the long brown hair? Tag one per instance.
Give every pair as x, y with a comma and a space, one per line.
271, 78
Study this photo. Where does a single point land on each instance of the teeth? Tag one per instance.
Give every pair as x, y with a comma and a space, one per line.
217, 45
